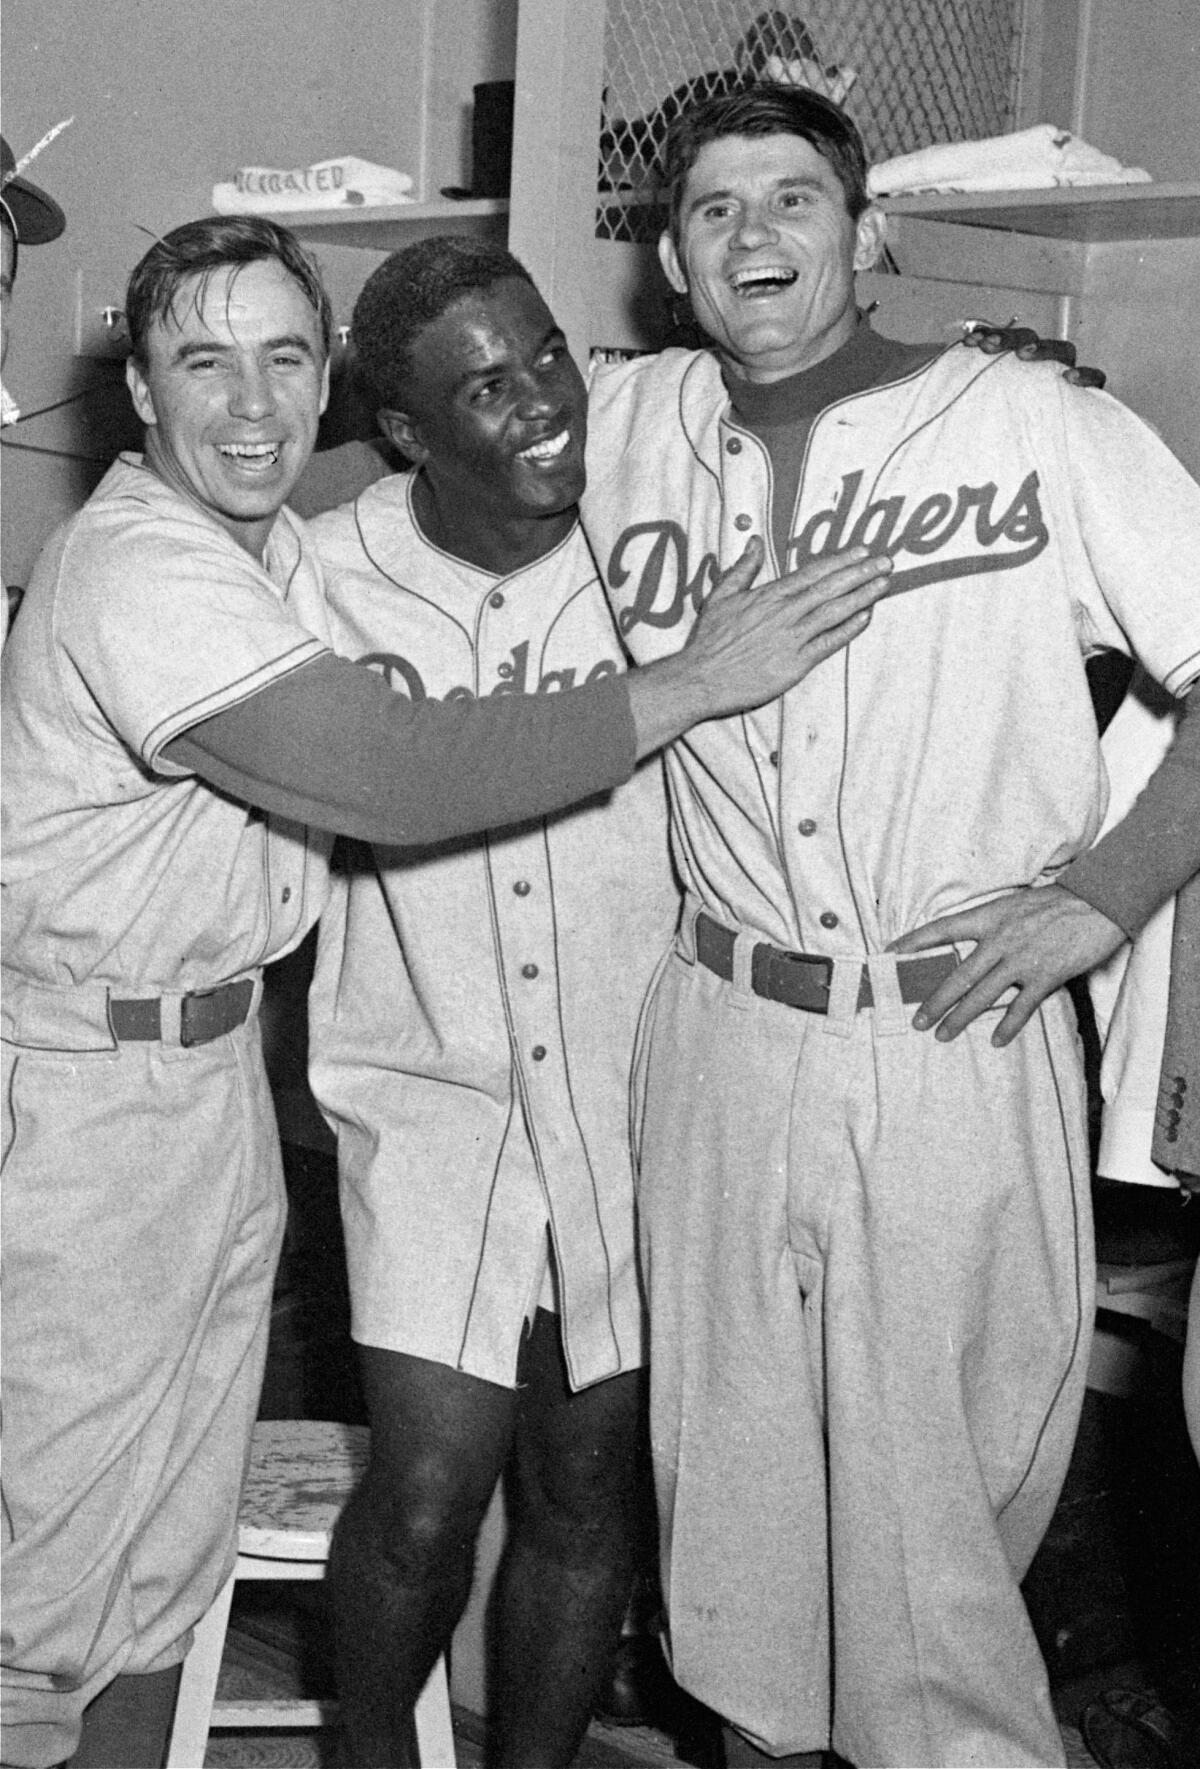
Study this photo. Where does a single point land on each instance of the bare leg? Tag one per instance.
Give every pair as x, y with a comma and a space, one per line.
404, 1550
568, 1569
129, 1723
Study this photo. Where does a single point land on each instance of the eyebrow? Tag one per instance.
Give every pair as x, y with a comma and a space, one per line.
798, 181
286, 341
554, 335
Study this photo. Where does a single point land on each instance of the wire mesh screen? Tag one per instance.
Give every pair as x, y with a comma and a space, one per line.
910, 73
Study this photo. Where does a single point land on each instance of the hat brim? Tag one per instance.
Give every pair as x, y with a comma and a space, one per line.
37, 217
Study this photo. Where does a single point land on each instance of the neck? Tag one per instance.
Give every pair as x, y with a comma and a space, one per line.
479, 537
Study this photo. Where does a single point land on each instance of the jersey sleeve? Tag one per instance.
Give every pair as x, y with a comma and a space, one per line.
334, 747
1139, 515
167, 621
1155, 849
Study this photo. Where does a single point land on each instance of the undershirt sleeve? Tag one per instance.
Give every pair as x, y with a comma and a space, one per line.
1155, 849
331, 745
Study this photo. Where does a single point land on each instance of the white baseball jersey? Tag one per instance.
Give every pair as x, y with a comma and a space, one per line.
950, 752
474, 1006
144, 617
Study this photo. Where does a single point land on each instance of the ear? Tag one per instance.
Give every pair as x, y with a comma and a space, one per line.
401, 432
668, 257
139, 392
324, 401
870, 237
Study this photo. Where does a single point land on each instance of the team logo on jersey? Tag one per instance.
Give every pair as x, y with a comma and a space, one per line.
402, 674
956, 534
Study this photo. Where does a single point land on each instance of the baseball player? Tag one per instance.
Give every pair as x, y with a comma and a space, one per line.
867, 1252
472, 1023
169, 681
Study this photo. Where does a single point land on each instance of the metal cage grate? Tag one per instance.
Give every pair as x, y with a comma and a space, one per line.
910, 73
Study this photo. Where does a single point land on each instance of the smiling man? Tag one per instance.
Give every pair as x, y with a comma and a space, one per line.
472, 1027
179, 739
868, 1252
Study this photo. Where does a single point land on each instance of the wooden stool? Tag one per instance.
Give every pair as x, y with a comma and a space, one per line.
301, 1473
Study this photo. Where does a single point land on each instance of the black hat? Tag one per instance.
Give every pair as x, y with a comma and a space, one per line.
36, 217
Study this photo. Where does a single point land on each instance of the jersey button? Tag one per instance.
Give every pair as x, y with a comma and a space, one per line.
504, 671
529, 970
742, 522
829, 919
538, 1053
522, 888
285, 895
774, 758
733, 446
497, 598
806, 826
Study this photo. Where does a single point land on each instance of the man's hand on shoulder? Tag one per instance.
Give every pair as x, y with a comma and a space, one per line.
1030, 346
1032, 940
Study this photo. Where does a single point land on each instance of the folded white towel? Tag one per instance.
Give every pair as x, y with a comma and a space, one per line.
329, 184
1031, 159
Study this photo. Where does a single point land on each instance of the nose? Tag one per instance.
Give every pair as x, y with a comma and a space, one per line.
755, 226
538, 394
251, 394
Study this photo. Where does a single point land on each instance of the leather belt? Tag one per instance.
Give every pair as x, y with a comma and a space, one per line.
802, 979
203, 1016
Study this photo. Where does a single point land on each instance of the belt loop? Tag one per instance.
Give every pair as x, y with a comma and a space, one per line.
171, 1010
891, 1015
843, 997
743, 963
685, 939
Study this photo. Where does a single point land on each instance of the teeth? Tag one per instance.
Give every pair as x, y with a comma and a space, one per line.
763, 273
251, 451
546, 451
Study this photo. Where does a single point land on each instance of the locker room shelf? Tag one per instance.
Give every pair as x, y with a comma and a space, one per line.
388, 227
1091, 214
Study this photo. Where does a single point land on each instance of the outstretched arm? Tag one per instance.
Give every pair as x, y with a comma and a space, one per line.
331, 745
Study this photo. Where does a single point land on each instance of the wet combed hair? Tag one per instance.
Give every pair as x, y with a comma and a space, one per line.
766, 110
204, 248
408, 292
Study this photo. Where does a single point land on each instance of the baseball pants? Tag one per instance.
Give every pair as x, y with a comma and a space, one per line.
870, 1276
143, 1210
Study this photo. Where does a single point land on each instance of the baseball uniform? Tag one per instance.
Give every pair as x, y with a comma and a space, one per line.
474, 1005
868, 1253
143, 1198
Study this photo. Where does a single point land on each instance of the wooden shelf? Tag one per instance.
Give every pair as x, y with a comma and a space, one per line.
387, 227
1088, 213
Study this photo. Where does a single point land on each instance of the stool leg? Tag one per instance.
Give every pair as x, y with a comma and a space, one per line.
435, 1733
198, 1684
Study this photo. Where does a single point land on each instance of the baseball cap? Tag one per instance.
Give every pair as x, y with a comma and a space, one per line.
36, 217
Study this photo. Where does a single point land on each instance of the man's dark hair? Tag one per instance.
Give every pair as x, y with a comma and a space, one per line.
766, 110
204, 248
408, 292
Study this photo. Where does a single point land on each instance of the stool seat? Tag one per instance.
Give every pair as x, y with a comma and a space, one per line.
300, 1475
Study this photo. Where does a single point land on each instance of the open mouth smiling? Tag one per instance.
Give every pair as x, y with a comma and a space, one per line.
547, 450
762, 279
251, 454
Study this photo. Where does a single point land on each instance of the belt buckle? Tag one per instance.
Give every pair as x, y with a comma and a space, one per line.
798, 979
192, 1028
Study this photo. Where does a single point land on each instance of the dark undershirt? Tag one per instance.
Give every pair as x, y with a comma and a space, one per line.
781, 413
1154, 849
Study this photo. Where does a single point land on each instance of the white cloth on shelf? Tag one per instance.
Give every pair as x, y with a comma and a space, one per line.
342, 183
1031, 159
